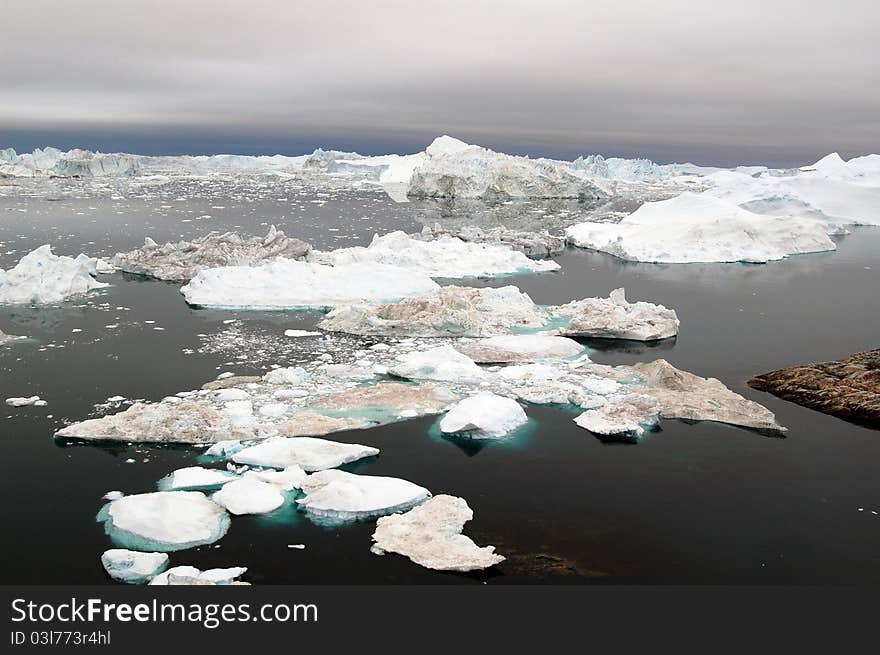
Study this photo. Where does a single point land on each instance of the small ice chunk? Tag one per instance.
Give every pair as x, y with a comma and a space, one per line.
301, 333
308, 452
339, 495
23, 402
195, 477
249, 495
133, 567
484, 416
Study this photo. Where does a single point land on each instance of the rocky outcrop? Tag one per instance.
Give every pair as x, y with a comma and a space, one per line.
848, 388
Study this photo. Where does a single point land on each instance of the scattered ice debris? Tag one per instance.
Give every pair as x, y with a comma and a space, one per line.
442, 363
628, 416
41, 278
475, 172
431, 536
701, 228
190, 575
448, 311
164, 520
483, 416
341, 496
133, 567
287, 284
301, 333
519, 348
182, 260
615, 318
307, 452
531, 244
195, 478
34, 401
445, 257
249, 495
683, 395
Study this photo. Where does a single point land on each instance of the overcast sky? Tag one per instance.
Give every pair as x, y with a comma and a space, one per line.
745, 81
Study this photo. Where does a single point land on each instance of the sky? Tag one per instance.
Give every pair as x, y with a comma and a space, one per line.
779, 82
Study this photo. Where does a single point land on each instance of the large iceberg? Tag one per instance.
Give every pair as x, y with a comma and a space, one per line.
483, 416
42, 277
182, 260
164, 520
615, 318
701, 228
306, 452
341, 496
286, 284
430, 535
445, 257
475, 172
133, 567
73, 163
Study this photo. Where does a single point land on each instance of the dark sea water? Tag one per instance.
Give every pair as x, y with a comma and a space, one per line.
702, 503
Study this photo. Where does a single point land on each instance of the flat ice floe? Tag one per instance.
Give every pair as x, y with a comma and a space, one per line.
341, 496
701, 228
440, 363
133, 567
531, 244
285, 284
630, 415
195, 478
42, 277
431, 536
164, 520
182, 260
444, 257
615, 318
483, 416
249, 495
309, 453
519, 348
190, 575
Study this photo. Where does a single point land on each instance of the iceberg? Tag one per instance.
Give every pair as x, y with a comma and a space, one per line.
42, 277
307, 452
132, 567
195, 478
628, 416
431, 536
29, 401
484, 416
475, 172
249, 495
442, 363
286, 479
519, 348
190, 575
450, 311
444, 257
388, 399
683, 395
341, 496
182, 260
615, 318
164, 520
288, 284
694, 227
531, 244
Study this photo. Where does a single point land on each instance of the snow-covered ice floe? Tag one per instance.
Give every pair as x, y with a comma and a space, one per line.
431, 536
340, 496
286, 284
42, 277
483, 416
444, 257
190, 575
195, 478
469, 312
28, 401
164, 520
182, 260
306, 452
249, 495
133, 567
531, 244
440, 363
519, 348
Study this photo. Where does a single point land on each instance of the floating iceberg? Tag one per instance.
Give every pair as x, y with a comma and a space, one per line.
430, 535
341, 496
287, 479
309, 453
448, 311
29, 401
475, 172
249, 495
615, 318
700, 228
683, 395
132, 567
164, 520
519, 348
195, 478
41, 277
630, 170
190, 575
73, 163
629, 416
182, 260
440, 363
285, 284
484, 416
531, 244
388, 399
445, 257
